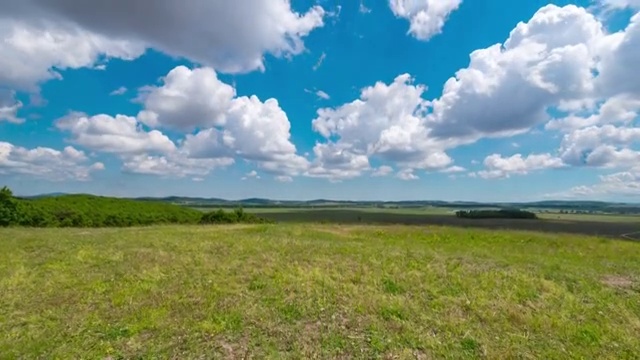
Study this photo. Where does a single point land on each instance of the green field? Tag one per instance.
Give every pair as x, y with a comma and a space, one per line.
408, 211
598, 217
592, 217
316, 291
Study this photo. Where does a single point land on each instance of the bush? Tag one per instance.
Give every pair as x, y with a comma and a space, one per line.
97, 211
8, 208
89, 211
234, 217
496, 214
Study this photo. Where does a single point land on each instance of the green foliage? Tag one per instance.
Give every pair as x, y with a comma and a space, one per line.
8, 208
234, 217
96, 211
496, 214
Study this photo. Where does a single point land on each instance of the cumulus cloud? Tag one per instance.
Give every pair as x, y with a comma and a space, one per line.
498, 167
224, 127
172, 165
251, 175
407, 175
46, 163
625, 183
561, 60
187, 99
507, 88
383, 170
120, 134
426, 17
387, 122
603, 146
35, 49
231, 36
620, 109
336, 163
619, 55
254, 130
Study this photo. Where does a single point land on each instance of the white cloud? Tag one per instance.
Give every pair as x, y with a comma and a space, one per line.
453, 169
426, 17
9, 107
46, 163
507, 88
337, 163
407, 175
615, 110
229, 128
604, 146
120, 134
383, 170
119, 91
619, 54
255, 131
362, 8
322, 95
626, 183
33, 50
284, 179
186, 100
319, 93
498, 167
173, 165
320, 61
251, 175
621, 4
232, 36
387, 122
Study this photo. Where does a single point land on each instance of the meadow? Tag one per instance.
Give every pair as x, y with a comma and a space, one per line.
316, 291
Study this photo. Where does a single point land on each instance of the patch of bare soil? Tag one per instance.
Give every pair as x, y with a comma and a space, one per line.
343, 231
618, 281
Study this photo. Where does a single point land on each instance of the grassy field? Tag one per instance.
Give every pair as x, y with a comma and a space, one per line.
316, 291
592, 217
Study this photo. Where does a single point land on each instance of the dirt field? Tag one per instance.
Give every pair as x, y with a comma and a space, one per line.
631, 230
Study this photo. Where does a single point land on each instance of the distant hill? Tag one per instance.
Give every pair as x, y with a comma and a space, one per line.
547, 205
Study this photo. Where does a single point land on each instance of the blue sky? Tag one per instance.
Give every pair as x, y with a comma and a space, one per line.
386, 100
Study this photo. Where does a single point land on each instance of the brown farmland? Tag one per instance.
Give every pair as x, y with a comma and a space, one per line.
622, 230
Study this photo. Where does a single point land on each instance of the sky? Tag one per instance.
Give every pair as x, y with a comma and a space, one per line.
473, 100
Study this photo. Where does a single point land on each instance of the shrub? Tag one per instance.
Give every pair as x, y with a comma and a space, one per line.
8, 208
233, 217
496, 214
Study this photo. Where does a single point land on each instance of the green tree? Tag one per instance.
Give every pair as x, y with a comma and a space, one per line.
8, 208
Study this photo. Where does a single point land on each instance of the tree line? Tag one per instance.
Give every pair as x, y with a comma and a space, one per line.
97, 211
496, 214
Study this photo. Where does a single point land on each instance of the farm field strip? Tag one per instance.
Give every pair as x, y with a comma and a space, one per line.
355, 216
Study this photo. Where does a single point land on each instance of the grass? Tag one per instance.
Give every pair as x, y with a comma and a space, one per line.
316, 291
615, 218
